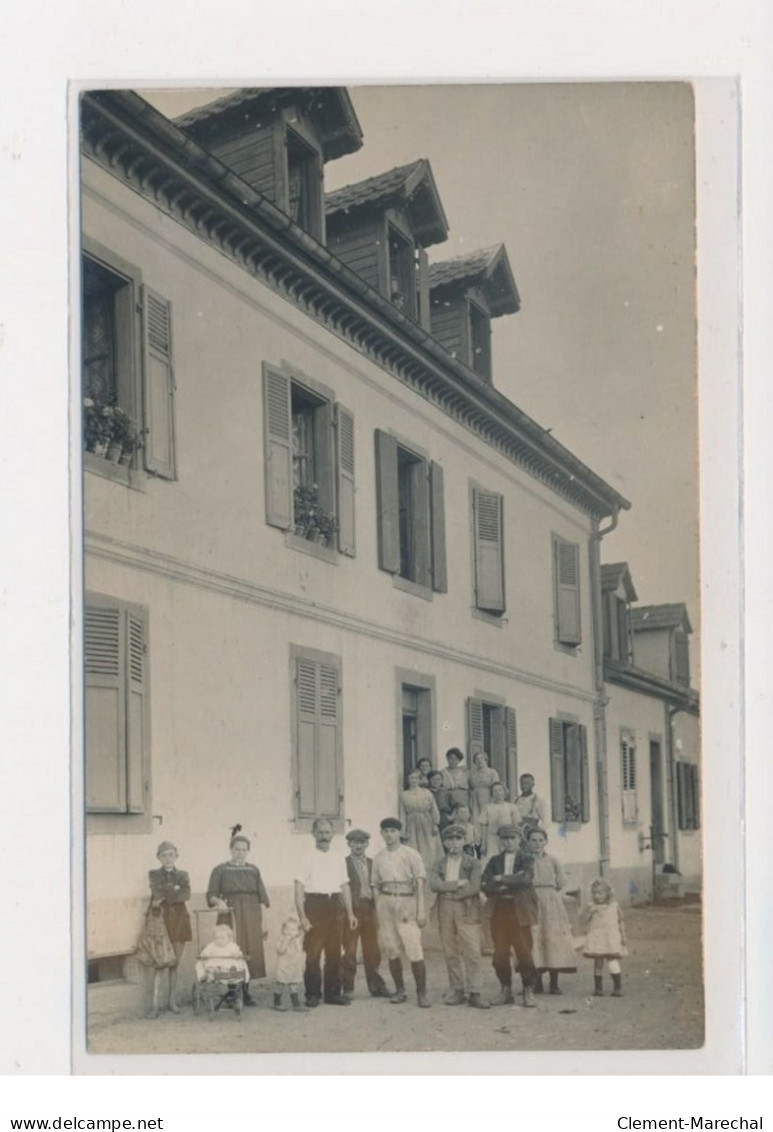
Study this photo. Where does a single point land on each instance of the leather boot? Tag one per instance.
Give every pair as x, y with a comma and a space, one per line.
528, 997
474, 999
504, 998
617, 983
598, 988
278, 1004
454, 998
420, 975
554, 987
396, 971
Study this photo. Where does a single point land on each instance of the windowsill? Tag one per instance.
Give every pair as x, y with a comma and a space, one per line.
118, 473
315, 549
496, 619
572, 826
568, 650
119, 823
409, 587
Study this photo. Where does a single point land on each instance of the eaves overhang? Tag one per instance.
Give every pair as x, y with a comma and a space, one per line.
142, 148
637, 680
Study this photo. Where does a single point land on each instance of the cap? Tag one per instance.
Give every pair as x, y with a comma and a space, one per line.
454, 830
357, 835
391, 823
508, 831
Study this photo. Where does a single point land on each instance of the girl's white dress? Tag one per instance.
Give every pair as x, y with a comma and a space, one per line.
553, 947
605, 932
290, 960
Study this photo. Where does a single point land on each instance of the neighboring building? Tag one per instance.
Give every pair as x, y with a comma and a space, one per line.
339, 548
652, 741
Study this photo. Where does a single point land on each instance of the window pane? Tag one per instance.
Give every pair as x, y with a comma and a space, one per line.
99, 335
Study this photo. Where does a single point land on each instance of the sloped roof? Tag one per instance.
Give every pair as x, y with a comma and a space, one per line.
615, 574
490, 267
672, 616
411, 185
330, 108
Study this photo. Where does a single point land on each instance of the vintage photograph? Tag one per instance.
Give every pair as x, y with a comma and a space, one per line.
391, 619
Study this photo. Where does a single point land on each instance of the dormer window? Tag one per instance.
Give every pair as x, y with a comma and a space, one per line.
402, 272
304, 184
479, 341
617, 594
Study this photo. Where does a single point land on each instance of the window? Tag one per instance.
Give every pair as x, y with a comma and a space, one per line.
117, 717
569, 772
126, 344
479, 339
401, 271
411, 514
566, 586
617, 639
688, 796
492, 726
304, 184
487, 522
317, 748
628, 777
680, 661
309, 460
416, 719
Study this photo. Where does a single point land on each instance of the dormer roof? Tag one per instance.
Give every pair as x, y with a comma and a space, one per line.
410, 186
617, 574
673, 616
329, 108
489, 269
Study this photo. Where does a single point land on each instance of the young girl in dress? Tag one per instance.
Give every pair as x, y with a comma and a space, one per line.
605, 937
290, 963
170, 888
553, 948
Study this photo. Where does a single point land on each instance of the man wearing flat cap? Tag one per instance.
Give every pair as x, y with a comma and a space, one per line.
359, 867
507, 881
399, 878
455, 877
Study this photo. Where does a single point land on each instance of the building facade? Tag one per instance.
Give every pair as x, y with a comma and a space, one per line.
336, 547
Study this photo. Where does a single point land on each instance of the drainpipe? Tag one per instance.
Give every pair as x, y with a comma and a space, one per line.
600, 701
671, 711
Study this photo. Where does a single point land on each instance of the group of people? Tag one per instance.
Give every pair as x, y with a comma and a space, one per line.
431, 857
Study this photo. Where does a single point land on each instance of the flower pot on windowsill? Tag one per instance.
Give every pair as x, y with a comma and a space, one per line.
100, 448
114, 451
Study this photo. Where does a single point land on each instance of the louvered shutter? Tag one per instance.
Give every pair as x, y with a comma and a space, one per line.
489, 572
511, 742
582, 732
572, 771
681, 794
345, 474
438, 523
696, 796
136, 714
277, 428
557, 785
628, 776
474, 726
567, 581
388, 503
105, 721
319, 786
158, 384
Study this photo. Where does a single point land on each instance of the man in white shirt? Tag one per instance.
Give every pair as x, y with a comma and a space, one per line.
322, 899
398, 879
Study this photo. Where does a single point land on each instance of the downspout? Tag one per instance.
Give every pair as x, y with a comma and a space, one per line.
600, 701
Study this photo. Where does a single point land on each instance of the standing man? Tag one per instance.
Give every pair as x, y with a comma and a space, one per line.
399, 880
507, 879
359, 868
322, 899
456, 878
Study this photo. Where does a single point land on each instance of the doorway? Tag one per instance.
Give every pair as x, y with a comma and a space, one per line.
658, 830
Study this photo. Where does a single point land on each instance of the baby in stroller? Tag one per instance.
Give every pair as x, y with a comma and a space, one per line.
221, 972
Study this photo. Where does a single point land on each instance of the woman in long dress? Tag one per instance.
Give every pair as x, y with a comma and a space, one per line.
420, 818
552, 943
498, 812
236, 889
482, 779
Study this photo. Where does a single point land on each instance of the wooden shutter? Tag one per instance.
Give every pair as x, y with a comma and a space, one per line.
474, 726
277, 428
136, 712
557, 783
681, 794
689, 783
319, 786
438, 524
387, 503
511, 746
582, 732
345, 480
489, 565
567, 582
105, 721
158, 384
628, 778
421, 524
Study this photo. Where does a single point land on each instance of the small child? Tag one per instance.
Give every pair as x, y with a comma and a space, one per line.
460, 815
605, 937
290, 965
222, 958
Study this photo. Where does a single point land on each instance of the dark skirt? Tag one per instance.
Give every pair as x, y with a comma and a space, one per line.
178, 923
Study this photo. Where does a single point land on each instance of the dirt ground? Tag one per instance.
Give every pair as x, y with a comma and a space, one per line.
662, 1008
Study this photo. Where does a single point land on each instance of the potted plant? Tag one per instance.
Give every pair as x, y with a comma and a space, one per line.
96, 427
124, 436
312, 520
